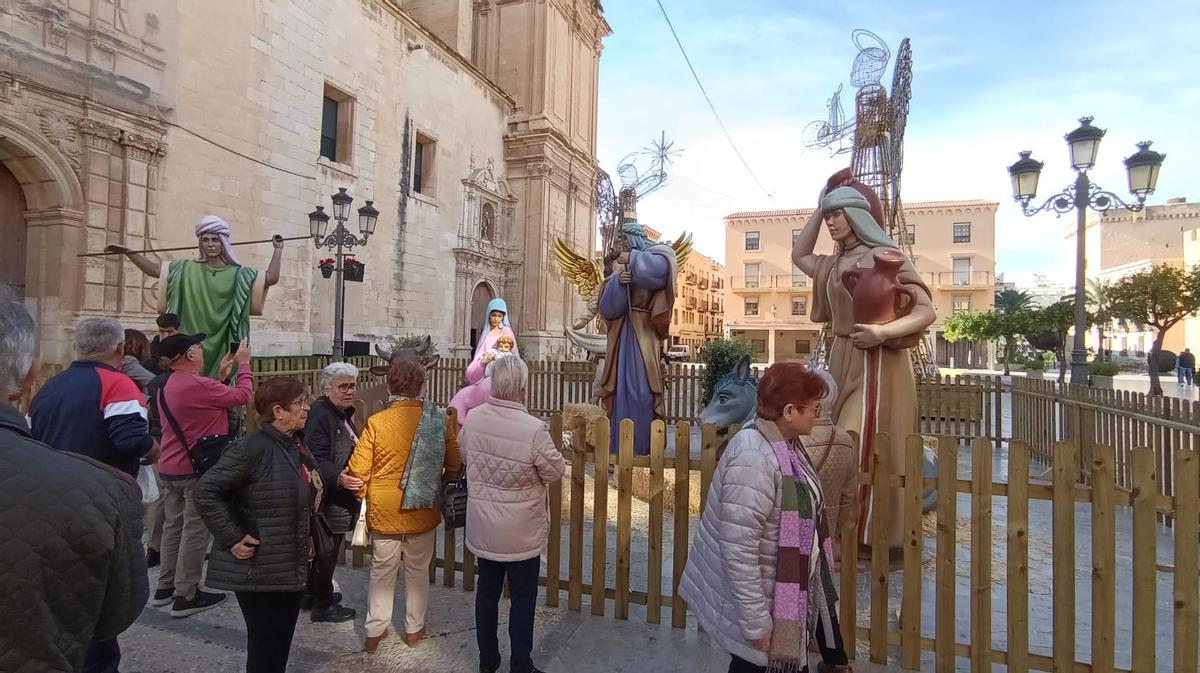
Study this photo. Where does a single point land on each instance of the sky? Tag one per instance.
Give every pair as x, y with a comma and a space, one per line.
989, 79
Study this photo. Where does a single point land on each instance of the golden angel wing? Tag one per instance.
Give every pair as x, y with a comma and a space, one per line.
584, 273
683, 248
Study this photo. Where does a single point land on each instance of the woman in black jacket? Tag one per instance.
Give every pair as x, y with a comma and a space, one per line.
257, 502
330, 434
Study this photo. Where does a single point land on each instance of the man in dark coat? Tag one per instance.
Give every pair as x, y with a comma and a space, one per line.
74, 574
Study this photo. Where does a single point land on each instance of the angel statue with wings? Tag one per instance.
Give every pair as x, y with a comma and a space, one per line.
635, 301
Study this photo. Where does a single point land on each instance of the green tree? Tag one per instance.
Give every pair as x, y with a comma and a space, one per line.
1005, 326
1099, 303
1159, 297
719, 357
1048, 329
1013, 301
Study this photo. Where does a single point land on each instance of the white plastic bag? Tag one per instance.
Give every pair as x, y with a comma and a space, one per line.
359, 539
148, 482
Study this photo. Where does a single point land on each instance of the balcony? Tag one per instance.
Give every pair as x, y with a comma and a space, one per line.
791, 280
703, 283
718, 283
778, 283
960, 280
691, 278
691, 302
754, 283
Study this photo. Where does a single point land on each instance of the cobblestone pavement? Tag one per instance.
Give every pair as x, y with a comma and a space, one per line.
565, 641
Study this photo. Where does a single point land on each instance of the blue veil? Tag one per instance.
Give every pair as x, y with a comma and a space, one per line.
496, 304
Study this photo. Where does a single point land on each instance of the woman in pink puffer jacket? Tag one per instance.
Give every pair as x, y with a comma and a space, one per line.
510, 460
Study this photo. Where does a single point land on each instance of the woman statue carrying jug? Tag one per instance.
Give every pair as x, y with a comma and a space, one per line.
878, 308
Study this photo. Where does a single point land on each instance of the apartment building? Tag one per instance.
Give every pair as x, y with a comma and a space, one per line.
699, 300
768, 299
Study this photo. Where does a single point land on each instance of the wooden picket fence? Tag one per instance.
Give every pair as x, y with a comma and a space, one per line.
604, 577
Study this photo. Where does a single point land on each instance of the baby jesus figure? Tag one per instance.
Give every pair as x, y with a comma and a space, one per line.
504, 346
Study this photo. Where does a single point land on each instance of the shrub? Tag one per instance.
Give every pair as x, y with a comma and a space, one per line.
719, 357
1103, 369
1036, 364
1166, 361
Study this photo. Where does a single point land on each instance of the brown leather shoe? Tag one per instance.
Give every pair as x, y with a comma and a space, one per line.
372, 643
411, 638
823, 667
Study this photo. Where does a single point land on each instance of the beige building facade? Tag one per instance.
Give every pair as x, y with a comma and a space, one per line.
768, 299
471, 125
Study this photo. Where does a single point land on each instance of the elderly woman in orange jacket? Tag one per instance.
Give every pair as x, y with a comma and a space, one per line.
399, 536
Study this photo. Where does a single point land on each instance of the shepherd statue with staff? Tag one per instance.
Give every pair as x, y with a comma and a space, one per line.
212, 294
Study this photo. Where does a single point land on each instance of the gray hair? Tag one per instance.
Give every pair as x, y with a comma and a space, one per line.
16, 346
831, 394
97, 337
509, 377
334, 370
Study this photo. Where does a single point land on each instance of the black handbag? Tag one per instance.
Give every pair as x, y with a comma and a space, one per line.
453, 500
322, 536
206, 451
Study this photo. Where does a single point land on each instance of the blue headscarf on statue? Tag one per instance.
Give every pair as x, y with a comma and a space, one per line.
858, 214
496, 304
636, 235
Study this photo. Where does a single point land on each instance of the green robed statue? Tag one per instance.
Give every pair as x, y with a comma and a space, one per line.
212, 294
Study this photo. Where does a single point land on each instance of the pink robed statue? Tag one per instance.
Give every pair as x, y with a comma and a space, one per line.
479, 384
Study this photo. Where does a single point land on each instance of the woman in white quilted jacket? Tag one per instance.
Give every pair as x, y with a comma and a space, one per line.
510, 461
760, 575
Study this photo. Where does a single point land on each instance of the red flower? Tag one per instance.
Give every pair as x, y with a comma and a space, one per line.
328, 261
350, 261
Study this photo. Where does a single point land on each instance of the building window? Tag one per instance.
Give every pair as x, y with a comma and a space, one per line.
487, 221
752, 240
337, 125
795, 236
910, 235
752, 275
799, 279
758, 345
962, 303
803, 347
962, 271
424, 164
751, 305
962, 232
799, 305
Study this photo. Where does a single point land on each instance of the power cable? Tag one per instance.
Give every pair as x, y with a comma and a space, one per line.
712, 107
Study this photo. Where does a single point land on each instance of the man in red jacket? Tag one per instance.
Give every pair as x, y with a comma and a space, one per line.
198, 406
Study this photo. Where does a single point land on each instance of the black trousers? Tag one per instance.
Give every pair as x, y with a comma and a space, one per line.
320, 574
522, 589
833, 654
270, 623
103, 655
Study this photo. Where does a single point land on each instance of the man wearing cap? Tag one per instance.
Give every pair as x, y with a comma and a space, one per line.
212, 294
198, 405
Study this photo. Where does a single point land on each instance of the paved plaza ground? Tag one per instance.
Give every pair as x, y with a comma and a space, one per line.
565, 641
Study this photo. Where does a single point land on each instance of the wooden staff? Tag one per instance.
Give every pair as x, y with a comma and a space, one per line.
186, 247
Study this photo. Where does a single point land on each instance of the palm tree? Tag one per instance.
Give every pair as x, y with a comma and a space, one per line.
1009, 305
1099, 301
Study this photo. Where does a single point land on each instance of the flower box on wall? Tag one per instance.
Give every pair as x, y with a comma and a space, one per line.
326, 267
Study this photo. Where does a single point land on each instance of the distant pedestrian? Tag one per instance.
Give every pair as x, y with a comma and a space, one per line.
168, 325
73, 576
510, 461
190, 407
399, 536
330, 435
257, 502
1187, 366
760, 574
137, 351
91, 407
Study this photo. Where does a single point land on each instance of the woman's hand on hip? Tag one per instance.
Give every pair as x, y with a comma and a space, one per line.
348, 482
246, 548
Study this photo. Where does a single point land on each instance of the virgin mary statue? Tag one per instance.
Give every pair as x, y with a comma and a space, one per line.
886, 400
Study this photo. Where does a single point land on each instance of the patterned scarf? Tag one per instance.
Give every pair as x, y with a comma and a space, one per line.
804, 554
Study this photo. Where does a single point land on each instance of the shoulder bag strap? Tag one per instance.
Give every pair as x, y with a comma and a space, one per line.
166, 411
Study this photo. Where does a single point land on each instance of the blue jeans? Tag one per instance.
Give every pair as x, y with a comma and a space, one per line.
103, 656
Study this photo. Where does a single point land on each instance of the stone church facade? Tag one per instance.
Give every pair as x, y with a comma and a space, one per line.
471, 125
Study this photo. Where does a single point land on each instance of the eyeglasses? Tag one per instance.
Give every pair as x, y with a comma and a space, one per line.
346, 387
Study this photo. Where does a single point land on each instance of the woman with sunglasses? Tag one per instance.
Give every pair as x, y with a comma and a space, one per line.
330, 434
258, 502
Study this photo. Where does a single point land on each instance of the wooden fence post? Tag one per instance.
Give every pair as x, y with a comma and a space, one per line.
1018, 557
624, 517
554, 537
914, 544
1145, 559
1064, 555
654, 556
1187, 527
575, 544
679, 541
1104, 563
600, 515
981, 555
881, 491
946, 524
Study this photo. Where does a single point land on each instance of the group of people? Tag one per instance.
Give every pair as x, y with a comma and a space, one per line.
268, 517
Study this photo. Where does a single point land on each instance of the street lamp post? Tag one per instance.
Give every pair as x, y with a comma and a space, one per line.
1084, 143
339, 238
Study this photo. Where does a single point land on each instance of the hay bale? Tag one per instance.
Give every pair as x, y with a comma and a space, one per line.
641, 488
579, 419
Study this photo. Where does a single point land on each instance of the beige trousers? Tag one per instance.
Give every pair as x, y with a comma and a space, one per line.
388, 553
184, 538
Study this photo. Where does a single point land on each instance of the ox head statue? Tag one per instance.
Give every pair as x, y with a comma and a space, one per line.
422, 353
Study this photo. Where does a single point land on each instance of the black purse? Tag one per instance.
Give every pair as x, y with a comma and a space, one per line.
453, 500
322, 536
206, 451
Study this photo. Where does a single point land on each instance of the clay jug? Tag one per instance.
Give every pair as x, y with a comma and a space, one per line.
878, 296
